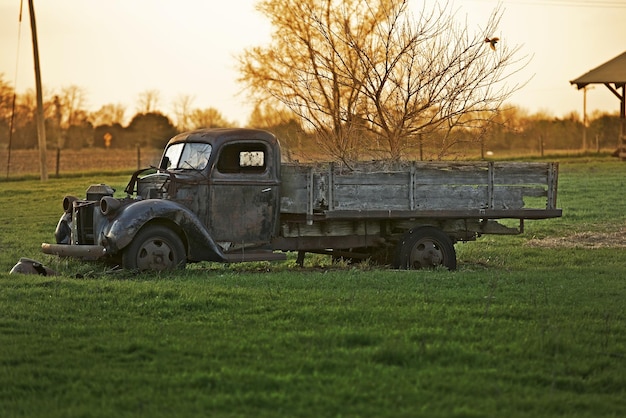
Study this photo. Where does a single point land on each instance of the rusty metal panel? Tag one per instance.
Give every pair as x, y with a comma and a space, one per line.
242, 214
294, 195
244, 194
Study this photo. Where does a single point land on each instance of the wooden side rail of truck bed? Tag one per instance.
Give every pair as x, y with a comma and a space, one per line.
487, 190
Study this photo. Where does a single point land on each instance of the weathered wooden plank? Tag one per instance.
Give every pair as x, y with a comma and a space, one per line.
513, 165
450, 197
451, 173
418, 185
534, 191
519, 173
293, 178
376, 179
371, 197
294, 203
435, 176
336, 228
507, 198
468, 166
553, 176
467, 197
319, 193
293, 188
527, 213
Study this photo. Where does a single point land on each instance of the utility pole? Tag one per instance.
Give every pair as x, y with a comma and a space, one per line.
41, 126
584, 118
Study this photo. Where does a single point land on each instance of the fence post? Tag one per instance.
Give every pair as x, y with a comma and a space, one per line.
58, 161
421, 141
138, 157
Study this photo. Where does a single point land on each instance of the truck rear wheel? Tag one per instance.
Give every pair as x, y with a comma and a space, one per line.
155, 247
425, 247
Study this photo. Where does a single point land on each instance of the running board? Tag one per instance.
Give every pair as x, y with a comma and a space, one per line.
239, 257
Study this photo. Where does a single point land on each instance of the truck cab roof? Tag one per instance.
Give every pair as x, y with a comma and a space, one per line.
217, 136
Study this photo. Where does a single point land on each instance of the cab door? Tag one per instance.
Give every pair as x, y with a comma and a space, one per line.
244, 195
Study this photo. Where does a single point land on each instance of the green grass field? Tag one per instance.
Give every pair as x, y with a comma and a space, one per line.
528, 326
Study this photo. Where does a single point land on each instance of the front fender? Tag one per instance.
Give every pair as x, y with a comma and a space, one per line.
131, 218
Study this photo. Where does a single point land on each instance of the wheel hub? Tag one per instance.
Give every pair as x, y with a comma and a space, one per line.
155, 255
426, 254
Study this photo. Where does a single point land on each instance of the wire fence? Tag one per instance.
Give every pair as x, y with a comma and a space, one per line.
65, 161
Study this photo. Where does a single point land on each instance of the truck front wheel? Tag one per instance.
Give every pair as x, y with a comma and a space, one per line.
425, 247
155, 247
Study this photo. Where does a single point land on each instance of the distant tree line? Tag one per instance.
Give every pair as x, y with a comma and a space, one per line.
70, 126
515, 130
343, 80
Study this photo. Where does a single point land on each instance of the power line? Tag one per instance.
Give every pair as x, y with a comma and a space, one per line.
17, 60
617, 4
575, 3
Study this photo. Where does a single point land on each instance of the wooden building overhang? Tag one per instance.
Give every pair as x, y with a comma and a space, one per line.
611, 74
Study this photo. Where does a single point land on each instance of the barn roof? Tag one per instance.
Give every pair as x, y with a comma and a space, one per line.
611, 72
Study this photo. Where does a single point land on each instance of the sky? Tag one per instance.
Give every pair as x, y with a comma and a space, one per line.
117, 49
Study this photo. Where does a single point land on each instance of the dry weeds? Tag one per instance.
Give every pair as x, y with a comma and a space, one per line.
586, 239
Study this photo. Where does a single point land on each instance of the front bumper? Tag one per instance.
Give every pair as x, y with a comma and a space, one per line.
86, 252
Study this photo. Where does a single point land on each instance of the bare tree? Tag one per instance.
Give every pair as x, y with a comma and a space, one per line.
72, 101
68, 110
208, 118
6, 98
183, 111
7, 95
108, 114
148, 101
268, 116
283, 123
367, 75
307, 67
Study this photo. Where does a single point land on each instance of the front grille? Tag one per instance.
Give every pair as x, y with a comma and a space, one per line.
83, 211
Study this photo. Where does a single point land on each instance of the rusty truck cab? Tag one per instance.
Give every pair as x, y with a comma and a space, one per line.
231, 179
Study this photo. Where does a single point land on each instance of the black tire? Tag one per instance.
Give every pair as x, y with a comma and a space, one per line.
425, 247
155, 247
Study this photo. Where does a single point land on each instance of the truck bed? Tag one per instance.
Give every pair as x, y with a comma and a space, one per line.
377, 190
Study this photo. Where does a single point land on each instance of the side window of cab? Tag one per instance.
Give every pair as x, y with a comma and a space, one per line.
243, 158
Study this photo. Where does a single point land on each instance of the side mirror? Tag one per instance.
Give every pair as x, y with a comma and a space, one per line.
165, 163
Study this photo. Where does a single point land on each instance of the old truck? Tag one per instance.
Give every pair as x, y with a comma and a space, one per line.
224, 195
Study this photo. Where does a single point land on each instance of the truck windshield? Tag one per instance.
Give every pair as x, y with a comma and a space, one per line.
186, 155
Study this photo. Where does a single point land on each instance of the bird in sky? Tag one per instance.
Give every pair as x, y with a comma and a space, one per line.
492, 42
